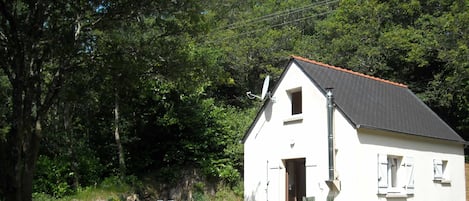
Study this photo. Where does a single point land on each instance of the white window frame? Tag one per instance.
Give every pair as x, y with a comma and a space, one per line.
395, 175
441, 171
294, 101
298, 117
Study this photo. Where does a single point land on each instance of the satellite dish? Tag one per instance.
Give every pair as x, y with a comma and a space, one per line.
264, 93
265, 87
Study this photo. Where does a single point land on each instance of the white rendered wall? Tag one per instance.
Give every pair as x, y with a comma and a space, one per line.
274, 139
357, 160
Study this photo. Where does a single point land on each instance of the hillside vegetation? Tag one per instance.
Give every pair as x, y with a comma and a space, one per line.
150, 95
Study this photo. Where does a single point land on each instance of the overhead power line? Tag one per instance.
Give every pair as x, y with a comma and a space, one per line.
271, 17
275, 15
272, 26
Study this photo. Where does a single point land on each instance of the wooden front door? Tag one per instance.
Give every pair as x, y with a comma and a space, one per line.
295, 179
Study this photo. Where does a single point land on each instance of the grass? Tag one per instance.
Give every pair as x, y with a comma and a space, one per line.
86, 195
111, 189
115, 189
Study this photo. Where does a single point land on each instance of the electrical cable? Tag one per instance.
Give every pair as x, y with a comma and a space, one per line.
274, 15
272, 26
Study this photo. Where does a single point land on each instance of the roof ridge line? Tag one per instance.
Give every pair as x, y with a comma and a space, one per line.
349, 71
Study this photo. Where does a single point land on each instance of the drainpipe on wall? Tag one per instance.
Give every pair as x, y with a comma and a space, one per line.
333, 182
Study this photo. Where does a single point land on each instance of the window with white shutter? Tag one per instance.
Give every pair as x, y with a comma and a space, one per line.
382, 174
437, 169
395, 175
440, 171
409, 167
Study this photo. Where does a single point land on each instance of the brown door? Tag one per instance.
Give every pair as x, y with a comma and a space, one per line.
295, 179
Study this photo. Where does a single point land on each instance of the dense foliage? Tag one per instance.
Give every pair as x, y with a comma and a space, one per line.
420, 43
137, 87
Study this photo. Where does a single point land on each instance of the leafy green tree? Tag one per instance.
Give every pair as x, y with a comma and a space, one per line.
256, 38
419, 43
43, 43
68, 158
40, 42
448, 91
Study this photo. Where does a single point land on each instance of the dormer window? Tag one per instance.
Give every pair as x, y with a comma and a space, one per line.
296, 101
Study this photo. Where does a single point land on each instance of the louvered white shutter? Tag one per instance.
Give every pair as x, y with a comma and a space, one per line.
382, 174
409, 168
437, 169
446, 174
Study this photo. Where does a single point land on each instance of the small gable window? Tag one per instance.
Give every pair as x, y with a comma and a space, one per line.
296, 102
295, 96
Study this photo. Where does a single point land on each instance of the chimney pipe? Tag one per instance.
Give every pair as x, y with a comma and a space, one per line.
330, 127
333, 182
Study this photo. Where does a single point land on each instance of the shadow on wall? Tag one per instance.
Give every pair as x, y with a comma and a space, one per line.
252, 197
268, 111
396, 199
403, 141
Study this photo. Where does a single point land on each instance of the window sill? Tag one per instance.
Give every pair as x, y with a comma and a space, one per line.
396, 195
442, 181
297, 118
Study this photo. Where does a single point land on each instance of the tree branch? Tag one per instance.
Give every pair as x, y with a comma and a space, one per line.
54, 87
6, 62
3, 36
78, 27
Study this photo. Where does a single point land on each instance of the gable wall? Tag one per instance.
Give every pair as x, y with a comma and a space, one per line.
274, 139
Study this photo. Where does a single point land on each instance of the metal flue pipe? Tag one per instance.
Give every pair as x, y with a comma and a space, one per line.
330, 132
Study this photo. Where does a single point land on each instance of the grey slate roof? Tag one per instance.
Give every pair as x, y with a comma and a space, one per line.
370, 102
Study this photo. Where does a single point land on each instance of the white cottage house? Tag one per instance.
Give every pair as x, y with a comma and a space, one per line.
328, 133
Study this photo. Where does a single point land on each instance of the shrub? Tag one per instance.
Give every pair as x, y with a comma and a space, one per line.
53, 177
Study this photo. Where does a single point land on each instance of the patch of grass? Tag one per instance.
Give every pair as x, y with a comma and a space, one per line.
116, 189
93, 194
225, 193
111, 189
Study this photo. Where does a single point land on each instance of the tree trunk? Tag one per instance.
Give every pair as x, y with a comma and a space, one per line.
21, 147
70, 144
26, 45
19, 156
120, 149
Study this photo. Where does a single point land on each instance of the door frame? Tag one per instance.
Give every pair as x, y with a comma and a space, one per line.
298, 166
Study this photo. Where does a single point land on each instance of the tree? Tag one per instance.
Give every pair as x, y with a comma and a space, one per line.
42, 44
419, 43
255, 39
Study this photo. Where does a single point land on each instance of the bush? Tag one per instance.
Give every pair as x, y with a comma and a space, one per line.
42, 197
55, 175
112, 189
